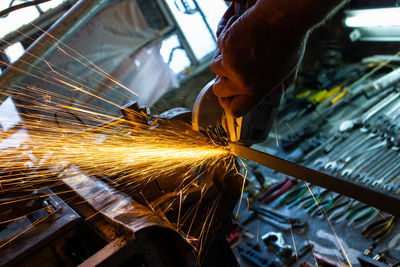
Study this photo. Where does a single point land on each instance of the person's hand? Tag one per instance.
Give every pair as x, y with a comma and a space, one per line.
255, 56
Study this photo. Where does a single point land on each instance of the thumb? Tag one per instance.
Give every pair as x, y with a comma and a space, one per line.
238, 105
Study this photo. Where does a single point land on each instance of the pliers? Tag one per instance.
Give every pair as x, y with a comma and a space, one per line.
336, 206
276, 190
350, 205
294, 194
357, 210
308, 201
325, 205
366, 215
381, 228
279, 218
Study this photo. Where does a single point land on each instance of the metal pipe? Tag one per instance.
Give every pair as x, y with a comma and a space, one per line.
46, 45
44, 21
377, 198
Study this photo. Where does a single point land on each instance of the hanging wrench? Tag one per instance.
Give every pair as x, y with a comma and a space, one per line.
327, 146
358, 146
375, 160
386, 182
350, 170
390, 174
340, 164
349, 141
354, 136
387, 159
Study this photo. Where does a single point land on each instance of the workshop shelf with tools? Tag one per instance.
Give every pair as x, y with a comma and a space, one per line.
117, 152
340, 119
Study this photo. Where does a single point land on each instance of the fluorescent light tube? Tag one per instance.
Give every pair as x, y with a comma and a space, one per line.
381, 17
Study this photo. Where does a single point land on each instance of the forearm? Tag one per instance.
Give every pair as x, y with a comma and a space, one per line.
297, 15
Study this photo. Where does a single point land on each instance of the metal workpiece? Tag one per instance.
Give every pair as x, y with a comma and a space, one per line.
127, 220
24, 212
377, 198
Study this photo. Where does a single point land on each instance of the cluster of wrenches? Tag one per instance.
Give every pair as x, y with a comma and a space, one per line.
369, 153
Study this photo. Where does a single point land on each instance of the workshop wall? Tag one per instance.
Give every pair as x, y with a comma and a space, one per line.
111, 42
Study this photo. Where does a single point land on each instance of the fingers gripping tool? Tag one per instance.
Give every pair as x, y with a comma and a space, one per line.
247, 130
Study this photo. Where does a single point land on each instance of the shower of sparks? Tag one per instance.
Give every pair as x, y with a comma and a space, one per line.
58, 130
145, 155
312, 249
290, 128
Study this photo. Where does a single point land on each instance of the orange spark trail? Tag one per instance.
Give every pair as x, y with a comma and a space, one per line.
276, 134
100, 71
25, 230
294, 243
290, 128
243, 185
58, 132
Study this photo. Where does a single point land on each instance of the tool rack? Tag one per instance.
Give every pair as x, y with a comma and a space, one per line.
330, 140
